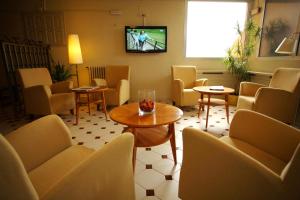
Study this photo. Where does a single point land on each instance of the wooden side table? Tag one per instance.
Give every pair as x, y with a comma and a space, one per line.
149, 129
206, 90
88, 91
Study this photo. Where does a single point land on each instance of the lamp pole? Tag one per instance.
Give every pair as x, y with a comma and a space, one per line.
77, 75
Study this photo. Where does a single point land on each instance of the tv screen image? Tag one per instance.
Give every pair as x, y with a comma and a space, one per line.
146, 39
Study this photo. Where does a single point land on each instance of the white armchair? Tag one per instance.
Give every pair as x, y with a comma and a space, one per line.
279, 100
41, 96
117, 79
38, 161
184, 78
260, 159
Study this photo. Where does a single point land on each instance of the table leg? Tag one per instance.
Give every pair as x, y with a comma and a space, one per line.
104, 104
207, 112
88, 99
200, 105
199, 111
227, 108
173, 141
77, 99
202, 97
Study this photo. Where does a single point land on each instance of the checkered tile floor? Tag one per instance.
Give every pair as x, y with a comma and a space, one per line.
156, 176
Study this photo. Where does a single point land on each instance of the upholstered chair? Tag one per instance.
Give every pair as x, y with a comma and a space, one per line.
279, 100
260, 159
38, 161
184, 78
41, 96
117, 79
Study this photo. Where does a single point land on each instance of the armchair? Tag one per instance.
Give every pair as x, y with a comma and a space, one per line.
258, 160
279, 100
41, 96
38, 161
184, 78
117, 80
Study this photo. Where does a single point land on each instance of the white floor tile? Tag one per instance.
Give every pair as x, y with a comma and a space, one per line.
149, 179
168, 190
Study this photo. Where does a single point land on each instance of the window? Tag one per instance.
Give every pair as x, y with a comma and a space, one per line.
211, 27
47, 27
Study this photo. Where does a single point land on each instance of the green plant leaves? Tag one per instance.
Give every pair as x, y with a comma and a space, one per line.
237, 56
59, 73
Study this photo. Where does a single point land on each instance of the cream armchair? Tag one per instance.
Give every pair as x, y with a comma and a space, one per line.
184, 78
41, 96
38, 161
279, 100
260, 159
117, 79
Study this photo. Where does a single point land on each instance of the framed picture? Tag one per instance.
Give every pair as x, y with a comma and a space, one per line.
281, 19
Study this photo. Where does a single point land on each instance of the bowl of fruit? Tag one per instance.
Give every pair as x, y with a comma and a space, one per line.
146, 101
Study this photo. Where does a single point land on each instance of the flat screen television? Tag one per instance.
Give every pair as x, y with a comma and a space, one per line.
146, 39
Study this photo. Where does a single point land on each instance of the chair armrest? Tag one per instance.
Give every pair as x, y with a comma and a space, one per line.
61, 87
40, 140
106, 174
249, 88
124, 92
177, 90
206, 161
99, 82
36, 99
276, 103
265, 133
201, 82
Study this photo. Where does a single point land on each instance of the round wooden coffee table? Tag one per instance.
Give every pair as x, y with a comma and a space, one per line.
207, 90
149, 129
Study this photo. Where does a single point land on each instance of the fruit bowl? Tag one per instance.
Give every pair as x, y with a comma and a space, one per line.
146, 105
146, 101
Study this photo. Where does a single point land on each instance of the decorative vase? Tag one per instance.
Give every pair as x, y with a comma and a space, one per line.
146, 99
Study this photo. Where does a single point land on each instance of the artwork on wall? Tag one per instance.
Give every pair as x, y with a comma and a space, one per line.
281, 19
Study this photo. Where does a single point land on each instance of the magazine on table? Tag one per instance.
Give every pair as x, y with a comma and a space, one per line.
85, 88
217, 88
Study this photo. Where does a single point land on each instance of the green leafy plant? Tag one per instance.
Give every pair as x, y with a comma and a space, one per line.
237, 58
60, 73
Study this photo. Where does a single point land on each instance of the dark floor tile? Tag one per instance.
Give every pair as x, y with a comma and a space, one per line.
148, 166
150, 192
168, 177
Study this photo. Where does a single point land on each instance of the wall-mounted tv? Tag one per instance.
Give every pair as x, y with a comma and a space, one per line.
146, 39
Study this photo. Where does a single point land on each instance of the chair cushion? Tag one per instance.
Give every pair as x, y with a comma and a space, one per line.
52, 171
273, 163
245, 102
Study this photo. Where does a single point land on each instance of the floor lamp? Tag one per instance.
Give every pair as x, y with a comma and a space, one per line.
74, 52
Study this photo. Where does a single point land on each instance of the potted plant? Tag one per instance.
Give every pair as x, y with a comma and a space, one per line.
237, 58
60, 73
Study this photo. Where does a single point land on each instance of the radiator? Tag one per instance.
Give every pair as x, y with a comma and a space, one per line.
96, 72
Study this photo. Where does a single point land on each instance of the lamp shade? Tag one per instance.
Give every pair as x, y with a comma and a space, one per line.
287, 46
74, 50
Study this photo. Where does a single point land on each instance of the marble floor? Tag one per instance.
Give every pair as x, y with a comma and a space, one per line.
156, 176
